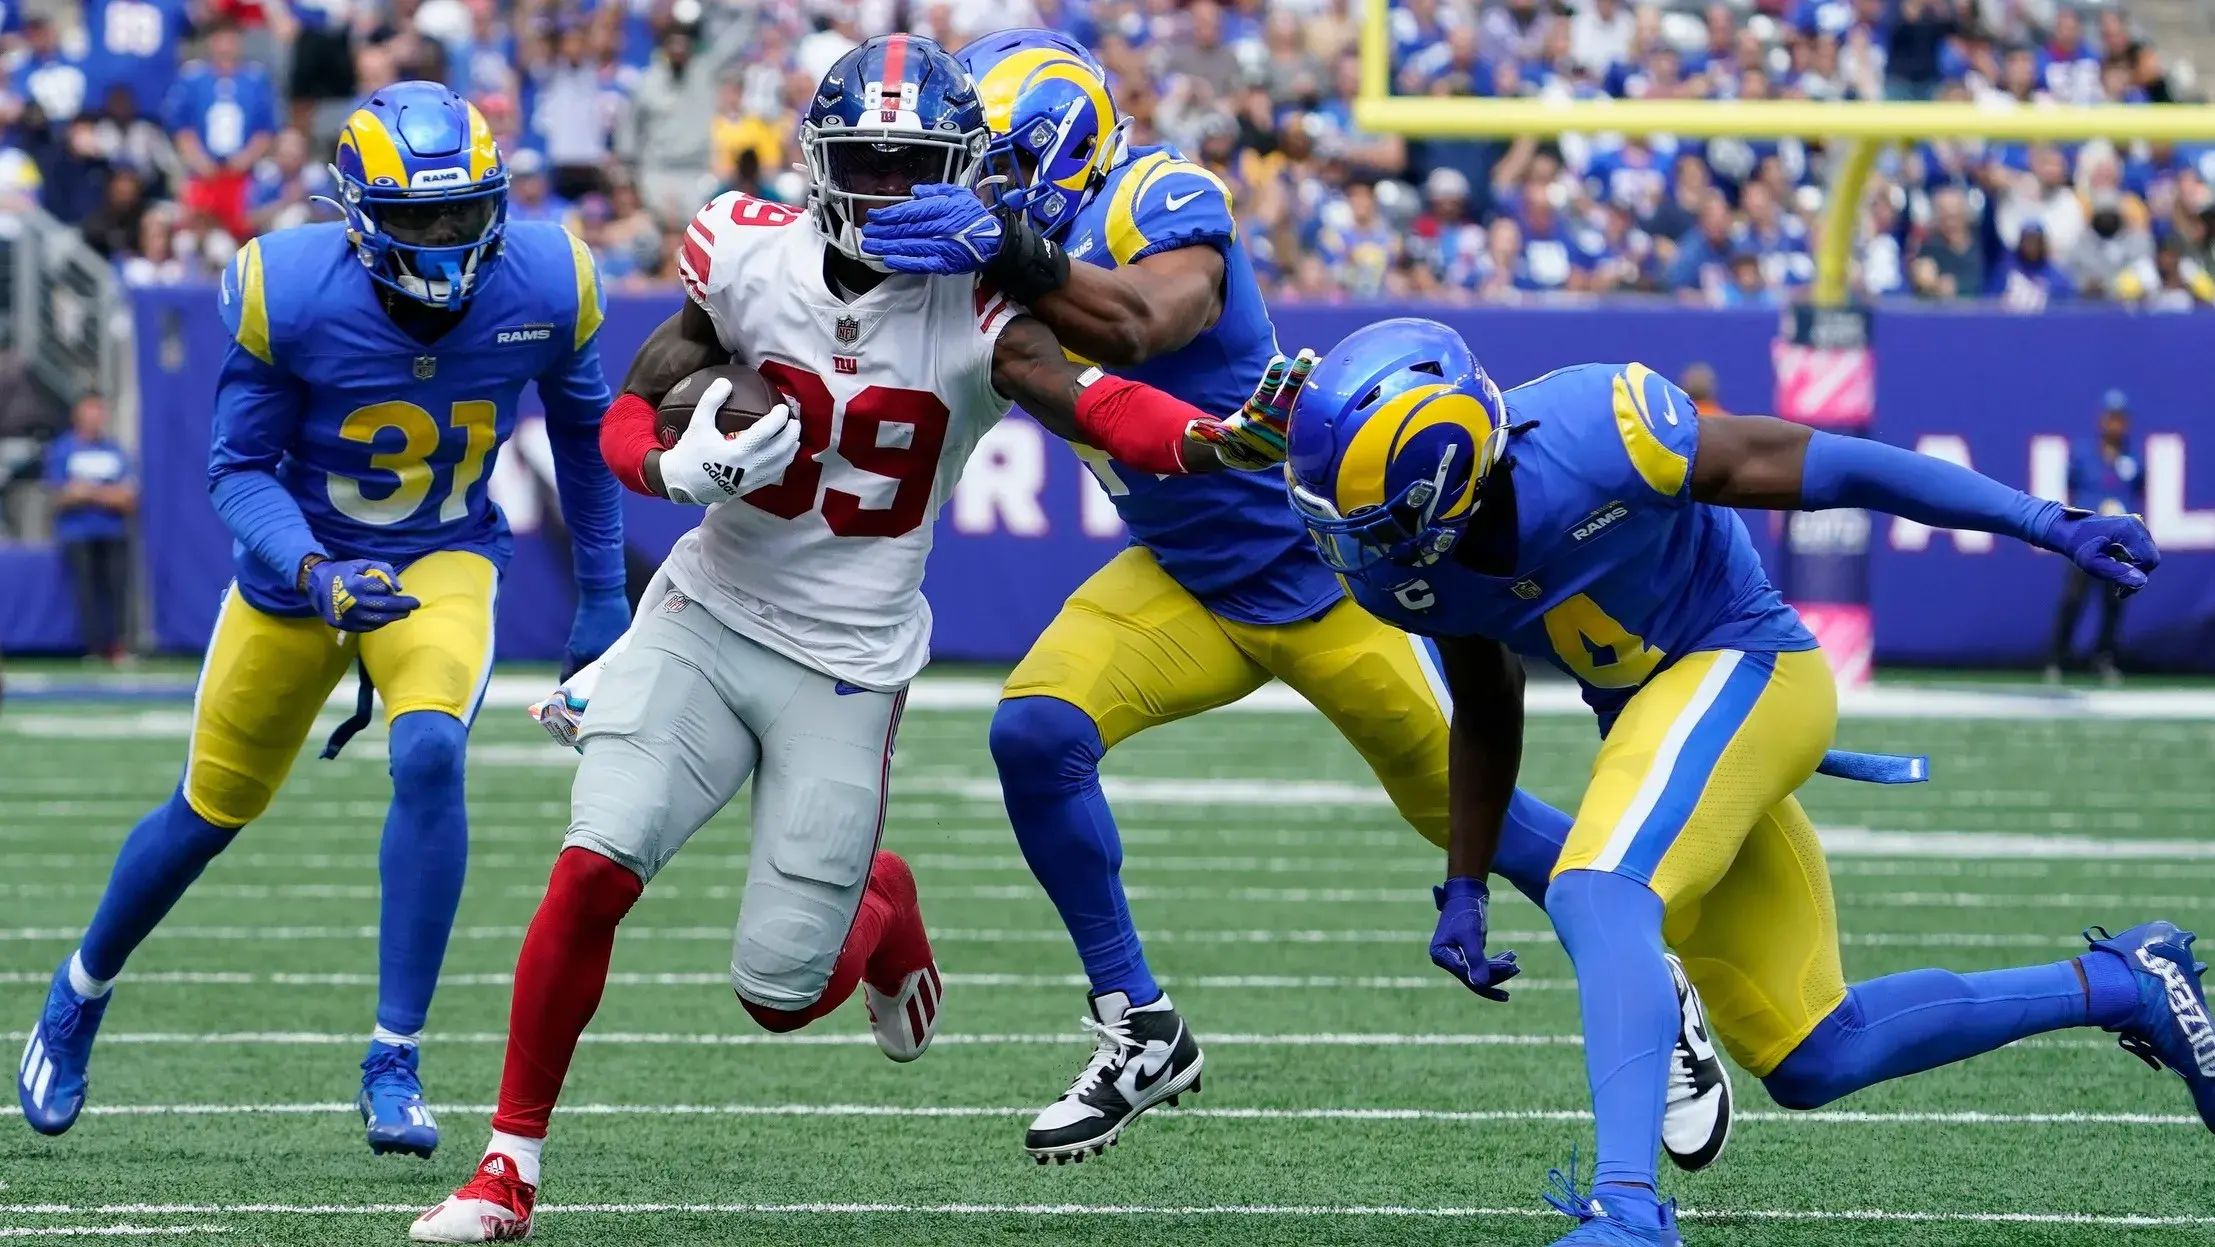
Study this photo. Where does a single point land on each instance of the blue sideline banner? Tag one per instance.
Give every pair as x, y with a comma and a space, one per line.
1028, 523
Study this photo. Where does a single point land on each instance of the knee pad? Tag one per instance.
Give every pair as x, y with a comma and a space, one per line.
427, 752
1817, 1071
1044, 742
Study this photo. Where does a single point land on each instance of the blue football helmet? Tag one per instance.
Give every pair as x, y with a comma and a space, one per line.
1388, 448
1055, 132
892, 114
424, 191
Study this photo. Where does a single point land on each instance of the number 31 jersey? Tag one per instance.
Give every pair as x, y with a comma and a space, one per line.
1618, 572
892, 389
386, 443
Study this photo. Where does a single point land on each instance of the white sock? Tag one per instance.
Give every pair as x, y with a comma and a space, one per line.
395, 1038
524, 1152
84, 984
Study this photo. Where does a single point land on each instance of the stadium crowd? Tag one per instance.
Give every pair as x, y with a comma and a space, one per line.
621, 116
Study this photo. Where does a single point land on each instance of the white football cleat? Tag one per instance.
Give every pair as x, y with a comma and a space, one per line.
905, 1021
494, 1206
1696, 1123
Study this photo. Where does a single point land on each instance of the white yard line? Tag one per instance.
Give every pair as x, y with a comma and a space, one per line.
832, 1039
1227, 982
1818, 1118
1121, 1210
109, 1231
1026, 935
1547, 697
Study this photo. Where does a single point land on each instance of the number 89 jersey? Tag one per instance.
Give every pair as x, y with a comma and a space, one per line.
892, 390
386, 443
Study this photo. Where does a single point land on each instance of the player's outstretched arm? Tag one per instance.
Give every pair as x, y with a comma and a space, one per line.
1137, 424
1759, 461
1484, 752
1126, 316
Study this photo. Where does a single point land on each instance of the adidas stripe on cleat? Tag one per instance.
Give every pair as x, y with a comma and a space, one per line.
905, 1020
50, 1079
493, 1206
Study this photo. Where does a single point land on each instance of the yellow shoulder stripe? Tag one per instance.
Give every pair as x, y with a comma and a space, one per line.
589, 314
1662, 469
1124, 238
253, 311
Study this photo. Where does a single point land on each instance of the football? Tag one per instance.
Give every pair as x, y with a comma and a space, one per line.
750, 399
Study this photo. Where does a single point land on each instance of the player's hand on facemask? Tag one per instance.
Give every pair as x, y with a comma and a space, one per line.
1458, 945
706, 467
943, 230
357, 595
1253, 440
2113, 548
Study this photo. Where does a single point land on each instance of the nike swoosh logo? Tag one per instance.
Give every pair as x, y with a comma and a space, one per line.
1142, 1081
843, 689
1178, 201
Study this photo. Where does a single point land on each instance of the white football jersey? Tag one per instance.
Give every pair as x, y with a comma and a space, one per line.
892, 391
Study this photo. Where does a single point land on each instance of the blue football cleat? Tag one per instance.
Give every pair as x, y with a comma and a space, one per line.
1648, 1223
2171, 1027
392, 1107
50, 1083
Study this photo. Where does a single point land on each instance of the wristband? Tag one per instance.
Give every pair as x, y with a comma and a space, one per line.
1029, 265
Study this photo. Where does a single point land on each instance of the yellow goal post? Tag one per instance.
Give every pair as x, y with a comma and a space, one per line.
1853, 132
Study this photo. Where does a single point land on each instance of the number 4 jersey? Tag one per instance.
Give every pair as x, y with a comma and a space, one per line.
892, 389
387, 443
1618, 572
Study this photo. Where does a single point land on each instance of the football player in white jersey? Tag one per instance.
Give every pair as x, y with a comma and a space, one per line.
794, 617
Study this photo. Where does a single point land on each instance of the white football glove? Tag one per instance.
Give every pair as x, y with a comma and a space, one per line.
705, 467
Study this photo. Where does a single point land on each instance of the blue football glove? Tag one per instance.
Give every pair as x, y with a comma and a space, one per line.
2113, 548
1457, 947
357, 595
602, 616
944, 230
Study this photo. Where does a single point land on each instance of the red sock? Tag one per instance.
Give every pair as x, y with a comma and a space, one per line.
881, 943
559, 976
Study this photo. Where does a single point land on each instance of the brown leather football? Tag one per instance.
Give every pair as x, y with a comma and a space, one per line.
750, 399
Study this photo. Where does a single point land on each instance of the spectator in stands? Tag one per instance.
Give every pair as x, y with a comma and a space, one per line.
1949, 262
1290, 61
1747, 286
94, 493
1202, 54
665, 136
223, 117
282, 185
2043, 194
2105, 476
577, 103
1912, 48
1679, 211
1515, 30
47, 75
113, 229
135, 142
1601, 34
1559, 254
2114, 254
1447, 234
322, 59
1703, 259
76, 176
2027, 279
1699, 384
135, 44
1357, 243
155, 262
2071, 69
632, 236
836, 32
529, 195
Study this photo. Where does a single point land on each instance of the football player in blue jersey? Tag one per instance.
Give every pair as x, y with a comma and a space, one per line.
371, 377
1220, 591
1585, 519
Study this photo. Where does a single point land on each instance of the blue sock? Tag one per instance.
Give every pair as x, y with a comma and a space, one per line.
1611, 927
160, 859
1048, 753
1906, 1023
420, 864
1530, 844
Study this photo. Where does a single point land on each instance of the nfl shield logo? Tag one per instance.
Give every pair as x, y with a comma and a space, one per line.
425, 367
1527, 590
848, 330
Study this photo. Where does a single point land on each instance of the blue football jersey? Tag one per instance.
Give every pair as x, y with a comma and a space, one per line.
1229, 538
1617, 571
134, 44
386, 443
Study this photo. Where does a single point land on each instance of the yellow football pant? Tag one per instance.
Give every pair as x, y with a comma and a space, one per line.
266, 677
1692, 795
1132, 649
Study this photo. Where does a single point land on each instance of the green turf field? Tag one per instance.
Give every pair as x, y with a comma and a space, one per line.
1353, 1093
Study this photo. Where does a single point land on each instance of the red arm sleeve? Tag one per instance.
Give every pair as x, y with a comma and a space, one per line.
626, 434
1136, 424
